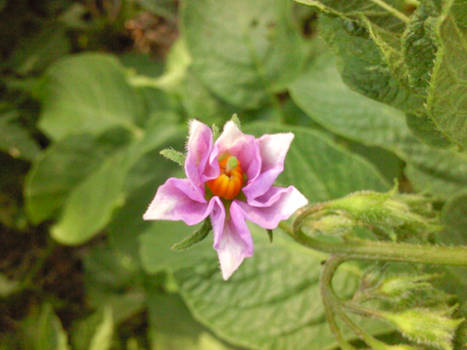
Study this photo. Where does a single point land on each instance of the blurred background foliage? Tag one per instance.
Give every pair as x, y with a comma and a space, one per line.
92, 90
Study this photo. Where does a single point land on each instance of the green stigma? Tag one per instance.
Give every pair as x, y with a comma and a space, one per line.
232, 163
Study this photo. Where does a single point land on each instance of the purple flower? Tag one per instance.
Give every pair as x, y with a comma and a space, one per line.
230, 180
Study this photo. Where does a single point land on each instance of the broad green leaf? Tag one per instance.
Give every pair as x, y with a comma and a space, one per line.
454, 216
172, 326
141, 184
426, 130
155, 243
272, 301
388, 14
102, 339
63, 166
43, 331
447, 94
321, 169
88, 93
113, 279
95, 331
243, 50
363, 65
15, 139
176, 64
142, 64
326, 99
418, 45
91, 203
200, 103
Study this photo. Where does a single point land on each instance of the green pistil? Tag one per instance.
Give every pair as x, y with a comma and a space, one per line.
231, 164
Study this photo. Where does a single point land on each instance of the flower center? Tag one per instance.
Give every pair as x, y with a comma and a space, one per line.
229, 183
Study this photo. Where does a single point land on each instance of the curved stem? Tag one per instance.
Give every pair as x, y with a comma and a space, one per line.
329, 301
377, 250
333, 304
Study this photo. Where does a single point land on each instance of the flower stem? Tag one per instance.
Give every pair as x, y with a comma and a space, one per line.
329, 301
377, 250
332, 304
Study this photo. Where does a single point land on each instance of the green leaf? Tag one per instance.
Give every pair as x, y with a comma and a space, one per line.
252, 51
327, 100
15, 140
112, 279
454, 216
418, 45
321, 169
272, 301
197, 236
142, 64
155, 243
94, 332
63, 166
447, 94
200, 103
389, 14
102, 339
173, 327
426, 130
174, 156
88, 93
44, 331
363, 66
91, 204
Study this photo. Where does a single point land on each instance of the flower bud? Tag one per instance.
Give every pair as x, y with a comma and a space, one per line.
396, 216
426, 326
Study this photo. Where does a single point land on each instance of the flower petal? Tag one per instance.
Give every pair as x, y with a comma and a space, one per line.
277, 204
199, 147
240, 145
178, 199
273, 149
233, 243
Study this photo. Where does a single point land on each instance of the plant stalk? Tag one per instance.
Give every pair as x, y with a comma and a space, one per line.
377, 250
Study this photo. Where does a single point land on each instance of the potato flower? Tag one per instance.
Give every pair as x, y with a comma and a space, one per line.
229, 180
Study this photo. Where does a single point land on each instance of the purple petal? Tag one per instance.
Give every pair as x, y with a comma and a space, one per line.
242, 146
178, 199
277, 204
273, 149
199, 147
233, 241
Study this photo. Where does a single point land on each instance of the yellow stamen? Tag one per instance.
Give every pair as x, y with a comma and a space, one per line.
229, 183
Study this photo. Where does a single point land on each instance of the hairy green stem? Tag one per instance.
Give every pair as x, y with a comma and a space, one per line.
329, 301
332, 304
377, 250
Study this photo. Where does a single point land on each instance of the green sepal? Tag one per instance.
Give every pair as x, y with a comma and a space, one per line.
215, 131
174, 156
431, 327
194, 238
270, 235
236, 120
